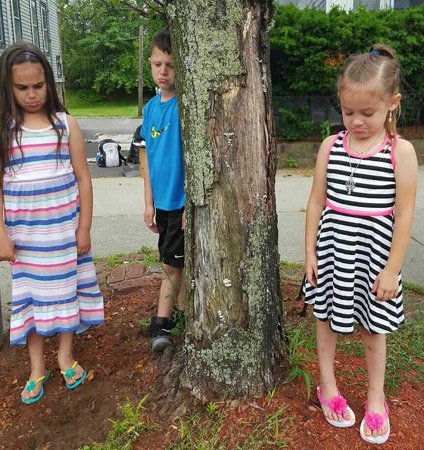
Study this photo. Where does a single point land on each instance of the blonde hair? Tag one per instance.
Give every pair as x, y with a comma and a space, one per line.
379, 64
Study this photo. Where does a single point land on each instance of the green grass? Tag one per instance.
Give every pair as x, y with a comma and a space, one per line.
124, 432
300, 349
405, 354
291, 265
80, 104
412, 288
268, 434
196, 433
145, 255
206, 432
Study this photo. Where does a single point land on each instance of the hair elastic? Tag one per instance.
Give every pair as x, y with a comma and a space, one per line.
29, 53
375, 52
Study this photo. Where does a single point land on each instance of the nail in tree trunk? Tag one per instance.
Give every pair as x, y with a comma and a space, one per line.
233, 343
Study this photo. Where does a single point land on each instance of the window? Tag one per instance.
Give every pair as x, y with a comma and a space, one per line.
59, 71
34, 23
16, 19
45, 27
2, 40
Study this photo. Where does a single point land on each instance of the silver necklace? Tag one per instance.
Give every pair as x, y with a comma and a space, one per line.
350, 183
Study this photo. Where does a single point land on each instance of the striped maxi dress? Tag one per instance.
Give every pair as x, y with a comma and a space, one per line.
354, 240
53, 289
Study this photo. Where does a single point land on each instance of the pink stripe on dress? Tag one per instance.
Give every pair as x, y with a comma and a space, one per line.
353, 212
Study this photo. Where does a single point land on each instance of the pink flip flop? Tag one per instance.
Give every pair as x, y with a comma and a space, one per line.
338, 405
375, 421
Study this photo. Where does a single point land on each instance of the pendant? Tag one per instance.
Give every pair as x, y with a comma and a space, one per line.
350, 185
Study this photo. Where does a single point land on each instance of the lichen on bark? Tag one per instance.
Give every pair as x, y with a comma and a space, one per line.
207, 47
233, 315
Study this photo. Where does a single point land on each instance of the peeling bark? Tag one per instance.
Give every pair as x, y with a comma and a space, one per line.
233, 342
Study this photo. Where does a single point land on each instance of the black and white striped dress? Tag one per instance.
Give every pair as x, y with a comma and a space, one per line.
354, 240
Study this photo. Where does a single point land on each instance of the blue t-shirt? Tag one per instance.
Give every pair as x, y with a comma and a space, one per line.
161, 131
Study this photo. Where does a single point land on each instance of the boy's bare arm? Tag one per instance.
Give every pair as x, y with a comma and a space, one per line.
149, 206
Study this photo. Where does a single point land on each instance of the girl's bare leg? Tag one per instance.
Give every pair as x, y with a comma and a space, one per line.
375, 354
326, 348
38, 363
65, 357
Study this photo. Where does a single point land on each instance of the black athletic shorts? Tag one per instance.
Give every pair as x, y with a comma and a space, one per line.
171, 237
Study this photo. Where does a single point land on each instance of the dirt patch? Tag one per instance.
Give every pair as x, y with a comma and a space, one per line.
125, 369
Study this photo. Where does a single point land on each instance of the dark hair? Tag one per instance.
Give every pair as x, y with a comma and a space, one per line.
162, 40
379, 64
11, 115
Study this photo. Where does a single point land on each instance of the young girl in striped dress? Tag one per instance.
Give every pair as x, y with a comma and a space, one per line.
361, 208
46, 208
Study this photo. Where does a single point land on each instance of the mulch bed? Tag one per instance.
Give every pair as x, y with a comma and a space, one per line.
124, 369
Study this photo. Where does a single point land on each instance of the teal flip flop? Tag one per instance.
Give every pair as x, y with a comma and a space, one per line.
31, 385
70, 373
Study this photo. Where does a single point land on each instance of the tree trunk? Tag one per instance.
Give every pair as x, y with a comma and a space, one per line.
233, 343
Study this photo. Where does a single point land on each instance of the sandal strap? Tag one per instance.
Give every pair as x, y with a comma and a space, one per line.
375, 420
337, 403
31, 384
70, 372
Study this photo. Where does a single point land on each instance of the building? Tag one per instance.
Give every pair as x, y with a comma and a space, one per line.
35, 21
349, 5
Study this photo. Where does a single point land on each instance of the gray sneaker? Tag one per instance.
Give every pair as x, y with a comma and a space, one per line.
160, 332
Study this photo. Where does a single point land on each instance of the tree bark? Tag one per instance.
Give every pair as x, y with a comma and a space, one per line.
233, 342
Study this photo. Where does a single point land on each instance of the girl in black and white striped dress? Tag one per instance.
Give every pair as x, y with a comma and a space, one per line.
358, 225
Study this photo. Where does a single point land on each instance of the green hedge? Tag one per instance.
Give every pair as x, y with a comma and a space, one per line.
308, 46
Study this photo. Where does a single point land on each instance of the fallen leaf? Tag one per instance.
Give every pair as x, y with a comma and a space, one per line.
90, 375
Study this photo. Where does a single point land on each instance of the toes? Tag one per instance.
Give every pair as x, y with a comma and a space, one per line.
375, 433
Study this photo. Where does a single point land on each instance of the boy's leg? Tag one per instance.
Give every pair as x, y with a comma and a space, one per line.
65, 357
171, 251
160, 326
326, 348
375, 354
169, 290
38, 363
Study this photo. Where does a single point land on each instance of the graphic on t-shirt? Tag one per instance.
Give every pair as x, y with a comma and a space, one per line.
154, 134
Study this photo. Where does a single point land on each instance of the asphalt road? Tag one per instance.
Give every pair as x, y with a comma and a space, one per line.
121, 129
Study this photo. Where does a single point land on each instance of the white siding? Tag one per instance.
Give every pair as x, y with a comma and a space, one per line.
27, 30
55, 37
4, 18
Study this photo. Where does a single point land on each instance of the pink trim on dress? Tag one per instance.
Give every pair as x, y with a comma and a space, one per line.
331, 145
352, 212
392, 151
359, 155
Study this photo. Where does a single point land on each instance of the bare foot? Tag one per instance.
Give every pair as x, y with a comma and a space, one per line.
32, 388
327, 394
71, 372
376, 408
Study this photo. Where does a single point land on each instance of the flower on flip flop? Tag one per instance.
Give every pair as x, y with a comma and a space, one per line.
69, 373
30, 385
338, 404
374, 421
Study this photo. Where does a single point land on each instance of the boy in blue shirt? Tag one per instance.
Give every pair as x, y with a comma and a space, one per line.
164, 195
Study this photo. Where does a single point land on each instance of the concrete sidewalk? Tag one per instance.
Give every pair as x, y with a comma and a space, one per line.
118, 225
